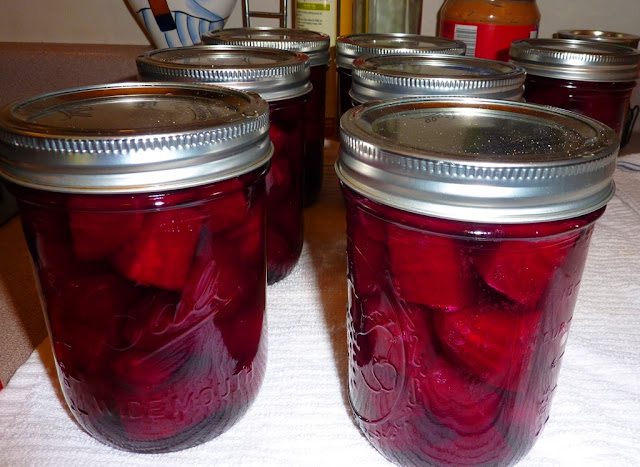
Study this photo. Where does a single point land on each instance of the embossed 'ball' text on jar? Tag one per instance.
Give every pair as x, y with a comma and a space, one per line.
394, 76
281, 77
348, 48
316, 46
143, 207
468, 225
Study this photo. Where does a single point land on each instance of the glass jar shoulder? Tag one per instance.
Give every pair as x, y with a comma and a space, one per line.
499, 12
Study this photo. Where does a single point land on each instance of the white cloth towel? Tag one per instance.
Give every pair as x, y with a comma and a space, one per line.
301, 416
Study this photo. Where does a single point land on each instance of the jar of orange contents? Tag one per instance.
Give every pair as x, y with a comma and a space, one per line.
489, 26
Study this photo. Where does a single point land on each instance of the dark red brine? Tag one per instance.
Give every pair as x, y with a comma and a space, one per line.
281, 77
151, 268
591, 78
316, 46
348, 48
461, 291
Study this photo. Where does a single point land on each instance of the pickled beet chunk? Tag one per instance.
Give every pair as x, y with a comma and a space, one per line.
228, 211
458, 400
139, 368
242, 334
494, 342
227, 268
159, 341
87, 317
377, 358
162, 253
284, 237
49, 241
98, 230
430, 270
367, 252
522, 270
280, 175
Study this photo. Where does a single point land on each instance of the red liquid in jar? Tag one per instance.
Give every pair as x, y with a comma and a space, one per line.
603, 101
284, 187
155, 306
314, 137
457, 330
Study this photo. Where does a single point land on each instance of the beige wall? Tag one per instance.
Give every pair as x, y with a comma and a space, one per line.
109, 21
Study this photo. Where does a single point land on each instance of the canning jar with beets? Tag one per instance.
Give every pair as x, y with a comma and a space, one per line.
348, 48
394, 76
316, 46
613, 38
143, 207
468, 224
488, 27
586, 77
282, 78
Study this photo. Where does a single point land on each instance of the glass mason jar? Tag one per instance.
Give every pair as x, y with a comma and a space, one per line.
597, 35
488, 27
316, 46
613, 38
593, 79
348, 48
468, 224
282, 78
394, 76
143, 208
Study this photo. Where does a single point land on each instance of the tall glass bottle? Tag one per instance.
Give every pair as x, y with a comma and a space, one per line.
387, 16
334, 18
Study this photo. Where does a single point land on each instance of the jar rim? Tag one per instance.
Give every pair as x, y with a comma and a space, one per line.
397, 75
576, 59
133, 137
312, 43
474, 159
275, 74
350, 47
611, 37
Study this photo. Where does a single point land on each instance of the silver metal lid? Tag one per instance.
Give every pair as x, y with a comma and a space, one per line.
348, 48
133, 137
274, 74
575, 59
610, 37
392, 76
478, 160
314, 44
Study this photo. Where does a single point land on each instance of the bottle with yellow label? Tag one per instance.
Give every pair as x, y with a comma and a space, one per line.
332, 17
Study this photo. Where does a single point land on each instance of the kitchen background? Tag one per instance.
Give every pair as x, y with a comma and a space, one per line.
110, 21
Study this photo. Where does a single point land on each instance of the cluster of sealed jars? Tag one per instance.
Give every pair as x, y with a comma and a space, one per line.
157, 212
